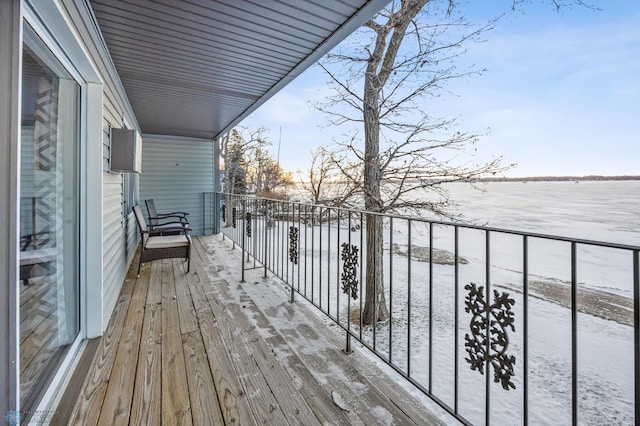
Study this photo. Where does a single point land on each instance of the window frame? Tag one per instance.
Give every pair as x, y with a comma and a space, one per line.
52, 26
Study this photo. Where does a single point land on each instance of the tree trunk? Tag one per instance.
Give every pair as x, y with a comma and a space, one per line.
375, 305
379, 68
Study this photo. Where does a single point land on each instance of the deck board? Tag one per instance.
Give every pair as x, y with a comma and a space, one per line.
186, 311
229, 392
231, 397
88, 408
261, 400
176, 407
201, 348
284, 395
145, 407
204, 406
117, 406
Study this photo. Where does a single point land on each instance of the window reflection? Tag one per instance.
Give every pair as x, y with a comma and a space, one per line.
49, 295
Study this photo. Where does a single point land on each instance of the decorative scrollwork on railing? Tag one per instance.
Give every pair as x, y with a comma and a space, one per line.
293, 245
224, 213
349, 270
248, 224
500, 317
233, 217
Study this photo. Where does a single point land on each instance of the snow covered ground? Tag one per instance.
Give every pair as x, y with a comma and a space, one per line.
605, 211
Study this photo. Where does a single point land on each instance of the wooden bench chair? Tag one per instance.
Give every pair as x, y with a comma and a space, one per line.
165, 222
156, 246
36, 254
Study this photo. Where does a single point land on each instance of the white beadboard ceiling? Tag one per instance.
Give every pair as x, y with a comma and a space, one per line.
197, 68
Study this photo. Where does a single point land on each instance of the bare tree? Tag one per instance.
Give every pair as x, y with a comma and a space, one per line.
234, 151
382, 82
249, 167
270, 176
238, 148
325, 179
265, 174
314, 179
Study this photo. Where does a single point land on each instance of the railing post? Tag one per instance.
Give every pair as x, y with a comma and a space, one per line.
295, 247
234, 209
347, 349
266, 237
338, 267
320, 258
390, 290
430, 306
329, 261
362, 254
293, 255
250, 218
300, 244
574, 334
242, 233
223, 211
525, 328
375, 279
456, 314
409, 242
306, 233
349, 280
313, 252
488, 327
636, 331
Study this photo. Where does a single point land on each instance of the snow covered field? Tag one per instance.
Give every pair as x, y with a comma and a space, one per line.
604, 211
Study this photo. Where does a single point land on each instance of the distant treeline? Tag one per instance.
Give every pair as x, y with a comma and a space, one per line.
558, 178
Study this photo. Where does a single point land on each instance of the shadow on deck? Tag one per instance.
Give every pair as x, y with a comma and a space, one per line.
203, 348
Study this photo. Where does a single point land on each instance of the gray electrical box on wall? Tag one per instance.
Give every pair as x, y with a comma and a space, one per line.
126, 151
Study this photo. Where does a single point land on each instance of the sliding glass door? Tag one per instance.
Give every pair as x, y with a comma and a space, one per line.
49, 219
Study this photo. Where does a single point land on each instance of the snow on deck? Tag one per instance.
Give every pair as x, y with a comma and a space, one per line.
204, 348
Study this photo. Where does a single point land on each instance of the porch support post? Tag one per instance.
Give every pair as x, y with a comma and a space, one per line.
10, 46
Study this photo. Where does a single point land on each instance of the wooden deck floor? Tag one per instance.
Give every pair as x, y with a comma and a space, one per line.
202, 348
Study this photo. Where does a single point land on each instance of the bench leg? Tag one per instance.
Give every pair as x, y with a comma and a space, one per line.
139, 264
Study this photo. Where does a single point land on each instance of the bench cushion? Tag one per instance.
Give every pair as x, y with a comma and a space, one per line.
167, 241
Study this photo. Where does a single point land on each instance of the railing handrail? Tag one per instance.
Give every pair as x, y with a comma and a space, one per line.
566, 239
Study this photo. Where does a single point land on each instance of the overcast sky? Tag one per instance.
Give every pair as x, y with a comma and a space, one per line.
561, 94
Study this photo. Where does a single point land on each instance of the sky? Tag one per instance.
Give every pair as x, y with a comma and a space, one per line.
560, 95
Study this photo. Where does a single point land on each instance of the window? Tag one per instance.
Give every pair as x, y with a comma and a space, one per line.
129, 194
49, 218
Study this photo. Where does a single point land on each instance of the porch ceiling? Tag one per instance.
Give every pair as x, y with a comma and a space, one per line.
197, 68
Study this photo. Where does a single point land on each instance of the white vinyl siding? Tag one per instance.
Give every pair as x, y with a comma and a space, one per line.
176, 172
106, 146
